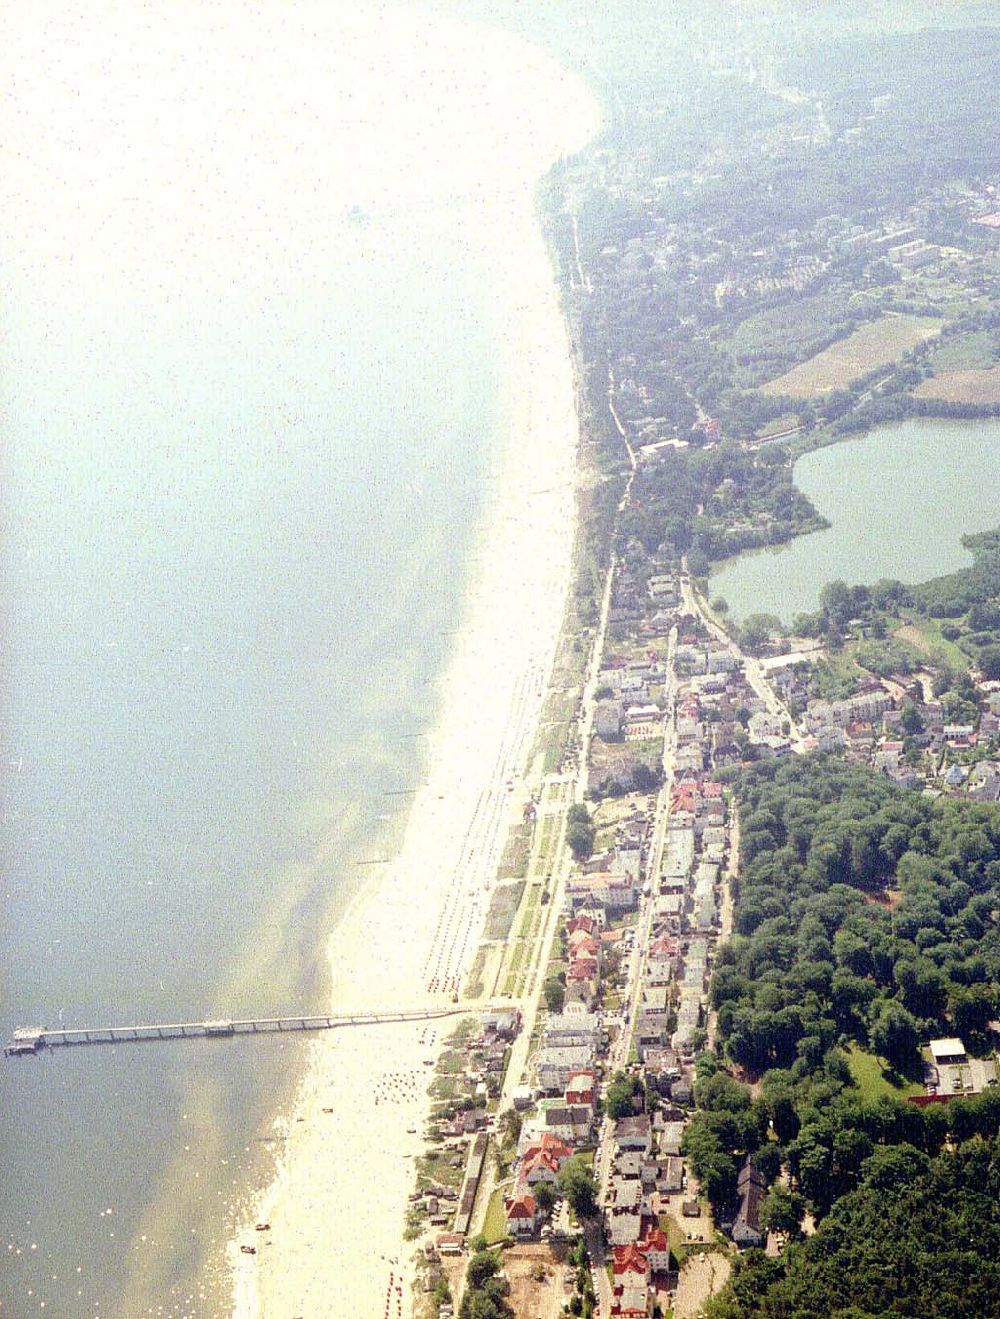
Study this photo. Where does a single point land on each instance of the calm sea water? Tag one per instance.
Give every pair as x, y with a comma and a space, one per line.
247, 428
898, 501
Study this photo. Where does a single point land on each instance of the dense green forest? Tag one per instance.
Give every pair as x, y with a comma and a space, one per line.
862, 911
970, 589
918, 1237
866, 922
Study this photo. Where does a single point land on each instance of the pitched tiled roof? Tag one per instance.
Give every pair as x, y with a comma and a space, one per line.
521, 1206
630, 1259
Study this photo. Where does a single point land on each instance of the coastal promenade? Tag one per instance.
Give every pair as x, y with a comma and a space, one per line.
31, 1039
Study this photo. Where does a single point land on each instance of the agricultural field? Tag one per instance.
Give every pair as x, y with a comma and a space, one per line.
773, 340
966, 352
982, 386
879, 344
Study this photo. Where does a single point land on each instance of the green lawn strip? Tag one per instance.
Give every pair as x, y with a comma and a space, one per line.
517, 851
680, 1246
503, 907
874, 1080
475, 980
495, 1223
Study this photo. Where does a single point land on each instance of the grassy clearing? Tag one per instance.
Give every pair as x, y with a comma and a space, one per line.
966, 352
875, 345
779, 426
445, 1167
837, 673
874, 1080
924, 634
975, 386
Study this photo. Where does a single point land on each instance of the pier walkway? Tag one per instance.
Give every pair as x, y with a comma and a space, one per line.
30, 1039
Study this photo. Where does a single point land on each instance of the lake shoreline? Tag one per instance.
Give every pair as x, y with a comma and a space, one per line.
905, 488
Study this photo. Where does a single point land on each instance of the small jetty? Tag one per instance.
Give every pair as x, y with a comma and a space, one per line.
28, 1040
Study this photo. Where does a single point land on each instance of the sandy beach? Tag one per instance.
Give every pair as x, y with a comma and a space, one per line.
336, 1208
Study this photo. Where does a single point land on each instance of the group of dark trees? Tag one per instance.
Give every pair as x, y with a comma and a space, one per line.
863, 911
486, 1289
635, 774
918, 1235
576, 1182
624, 1095
712, 503
899, 406
580, 831
866, 918
583, 1302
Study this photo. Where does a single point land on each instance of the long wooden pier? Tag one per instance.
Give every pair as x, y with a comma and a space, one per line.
31, 1039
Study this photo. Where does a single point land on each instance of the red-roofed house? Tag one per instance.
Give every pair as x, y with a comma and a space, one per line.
521, 1213
657, 1250
631, 1268
582, 944
582, 969
663, 947
580, 1089
584, 924
682, 799
543, 1158
542, 1166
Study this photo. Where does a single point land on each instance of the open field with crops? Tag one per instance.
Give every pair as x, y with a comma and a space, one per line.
878, 344
962, 386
